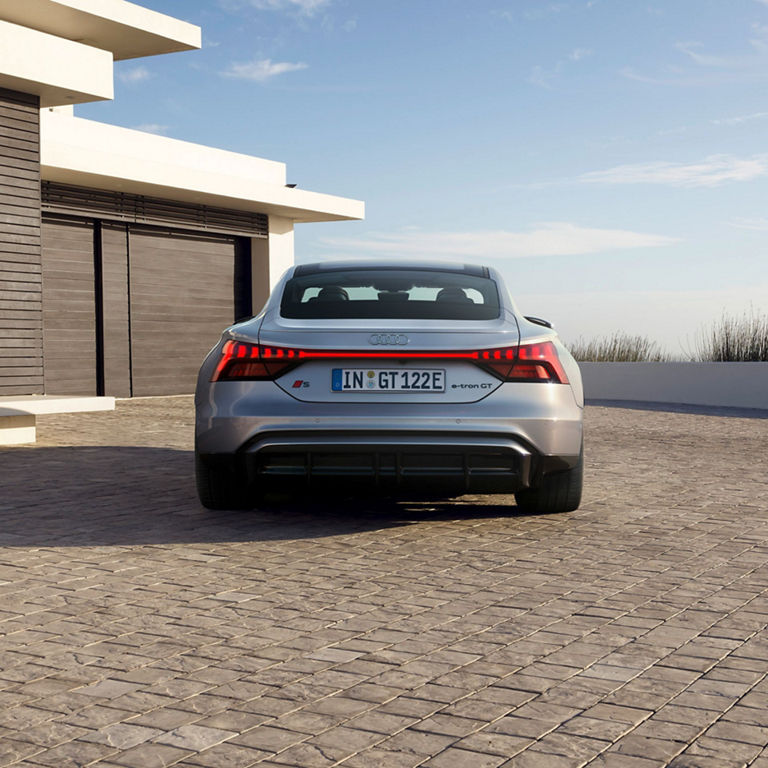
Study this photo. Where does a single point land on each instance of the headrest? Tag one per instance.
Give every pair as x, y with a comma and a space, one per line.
333, 293
453, 293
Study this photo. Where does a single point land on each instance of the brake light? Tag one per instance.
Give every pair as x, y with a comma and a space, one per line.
252, 362
528, 362
538, 362
241, 360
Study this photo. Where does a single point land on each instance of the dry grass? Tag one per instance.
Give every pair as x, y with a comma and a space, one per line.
735, 340
618, 348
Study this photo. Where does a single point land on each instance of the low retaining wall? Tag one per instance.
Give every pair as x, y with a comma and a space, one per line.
728, 385
18, 413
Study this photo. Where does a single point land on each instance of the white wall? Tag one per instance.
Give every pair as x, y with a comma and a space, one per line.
86, 145
280, 247
270, 257
729, 385
58, 71
125, 29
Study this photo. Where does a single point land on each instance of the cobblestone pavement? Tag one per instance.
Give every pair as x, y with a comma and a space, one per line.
139, 630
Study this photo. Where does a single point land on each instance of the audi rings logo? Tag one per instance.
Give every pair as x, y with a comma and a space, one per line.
388, 339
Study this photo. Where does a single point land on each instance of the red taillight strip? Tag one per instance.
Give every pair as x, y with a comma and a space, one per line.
537, 362
241, 360
227, 353
279, 353
310, 354
544, 354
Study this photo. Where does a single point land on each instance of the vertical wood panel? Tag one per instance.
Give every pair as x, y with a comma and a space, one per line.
69, 310
70, 200
117, 353
243, 286
21, 358
182, 297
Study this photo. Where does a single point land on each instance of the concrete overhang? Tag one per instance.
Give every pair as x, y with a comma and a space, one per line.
125, 29
90, 154
58, 71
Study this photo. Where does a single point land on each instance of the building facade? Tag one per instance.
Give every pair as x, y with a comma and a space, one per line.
122, 254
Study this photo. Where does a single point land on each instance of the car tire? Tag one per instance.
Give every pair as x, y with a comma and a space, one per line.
559, 492
221, 484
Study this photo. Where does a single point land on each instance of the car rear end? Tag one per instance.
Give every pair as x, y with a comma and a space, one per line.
405, 379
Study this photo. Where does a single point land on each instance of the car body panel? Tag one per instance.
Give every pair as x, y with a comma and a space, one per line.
231, 414
475, 412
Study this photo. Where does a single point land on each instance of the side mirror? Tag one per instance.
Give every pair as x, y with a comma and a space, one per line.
538, 321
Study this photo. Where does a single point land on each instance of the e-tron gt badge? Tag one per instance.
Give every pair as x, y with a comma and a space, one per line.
388, 339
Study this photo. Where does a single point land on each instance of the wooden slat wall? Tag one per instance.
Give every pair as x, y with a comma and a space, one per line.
69, 318
139, 209
21, 350
116, 323
181, 299
243, 298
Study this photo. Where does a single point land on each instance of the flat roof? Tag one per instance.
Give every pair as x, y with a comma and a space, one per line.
57, 70
126, 29
90, 154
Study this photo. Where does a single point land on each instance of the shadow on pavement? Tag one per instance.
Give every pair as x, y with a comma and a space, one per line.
696, 410
109, 495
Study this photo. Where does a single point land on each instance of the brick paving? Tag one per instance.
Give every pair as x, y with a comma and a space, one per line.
139, 630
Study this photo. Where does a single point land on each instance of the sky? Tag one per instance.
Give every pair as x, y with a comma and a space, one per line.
610, 157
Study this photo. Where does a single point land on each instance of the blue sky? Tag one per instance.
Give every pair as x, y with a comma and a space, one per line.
609, 156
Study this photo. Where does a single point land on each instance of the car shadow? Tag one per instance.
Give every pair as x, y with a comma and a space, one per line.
115, 495
696, 410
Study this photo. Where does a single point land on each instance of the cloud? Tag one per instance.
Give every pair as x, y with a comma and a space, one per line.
160, 130
543, 77
638, 77
711, 78
537, 13
710, 172
760, 43
676, 131
546, 239
577, 54
740, 119
753, 225
262, 69
135, 75
304, 7
702, 68
708, 60
543, 11
720, 121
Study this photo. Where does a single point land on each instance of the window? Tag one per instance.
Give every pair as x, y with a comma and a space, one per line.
390, 293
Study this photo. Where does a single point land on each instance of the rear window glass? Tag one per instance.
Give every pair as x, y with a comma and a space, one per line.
400, 294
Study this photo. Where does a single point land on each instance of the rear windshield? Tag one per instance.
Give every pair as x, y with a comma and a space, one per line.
401, 294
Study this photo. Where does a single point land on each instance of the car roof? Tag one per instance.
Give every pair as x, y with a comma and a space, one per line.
427, 266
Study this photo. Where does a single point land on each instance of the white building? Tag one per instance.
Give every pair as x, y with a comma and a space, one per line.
122, 254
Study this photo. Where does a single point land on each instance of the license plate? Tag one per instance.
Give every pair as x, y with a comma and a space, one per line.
387, 380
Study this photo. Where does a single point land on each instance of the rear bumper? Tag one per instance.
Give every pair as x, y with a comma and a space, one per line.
501, 444
456, 463
233, 416
451, 463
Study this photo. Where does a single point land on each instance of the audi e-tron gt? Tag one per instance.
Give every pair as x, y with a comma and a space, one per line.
403, 378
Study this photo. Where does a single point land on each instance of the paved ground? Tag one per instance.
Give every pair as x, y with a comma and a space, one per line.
138, 630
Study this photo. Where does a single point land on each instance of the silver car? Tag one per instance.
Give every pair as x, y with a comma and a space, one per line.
418, 378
